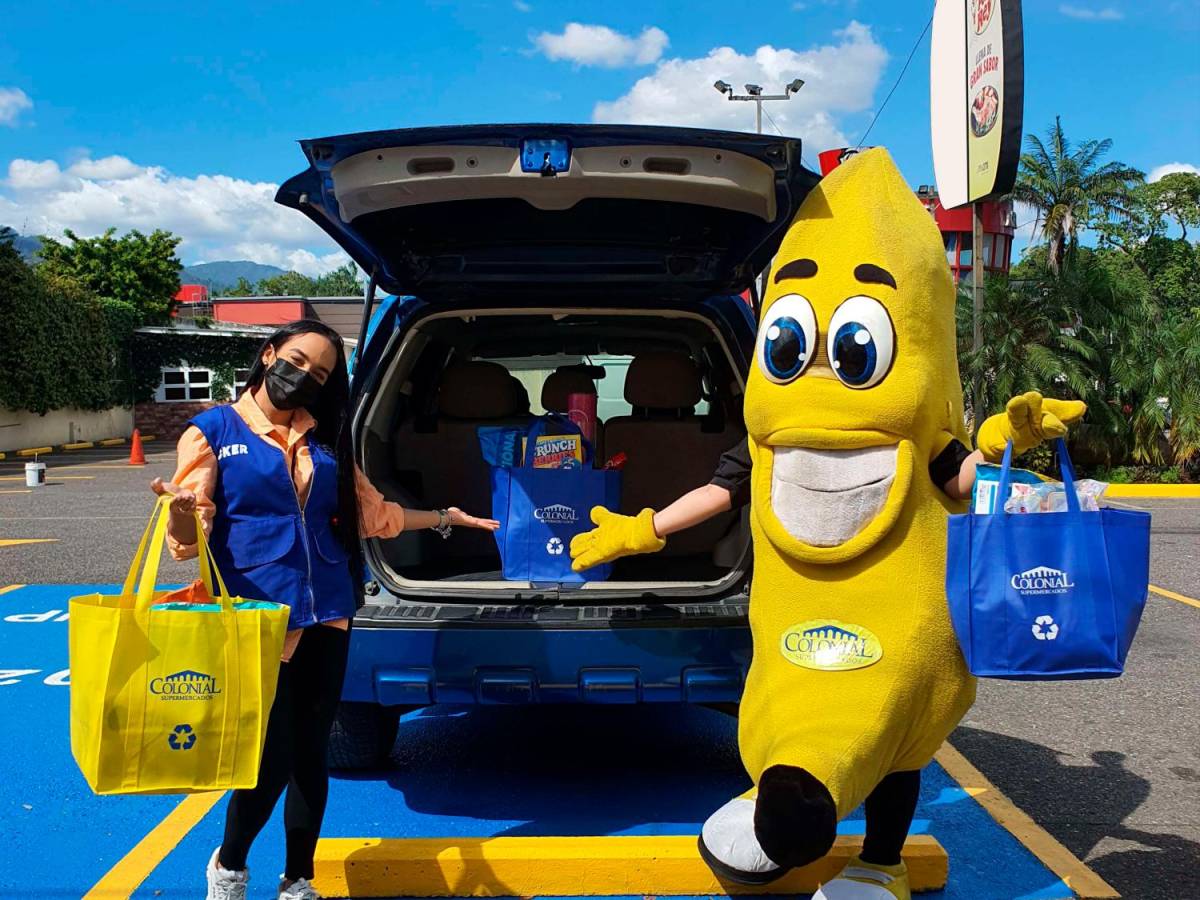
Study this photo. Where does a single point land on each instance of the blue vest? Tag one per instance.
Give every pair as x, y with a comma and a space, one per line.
265, 545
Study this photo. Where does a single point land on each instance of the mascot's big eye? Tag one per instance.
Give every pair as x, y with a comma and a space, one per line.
861, 342
787, 338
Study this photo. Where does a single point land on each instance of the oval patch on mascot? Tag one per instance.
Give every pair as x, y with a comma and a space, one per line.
830, 646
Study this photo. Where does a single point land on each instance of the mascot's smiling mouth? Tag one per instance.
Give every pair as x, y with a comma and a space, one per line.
826, 497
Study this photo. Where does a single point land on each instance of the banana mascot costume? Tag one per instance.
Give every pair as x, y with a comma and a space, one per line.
857, 677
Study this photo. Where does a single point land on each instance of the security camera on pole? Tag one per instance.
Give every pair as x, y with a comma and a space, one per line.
755, 93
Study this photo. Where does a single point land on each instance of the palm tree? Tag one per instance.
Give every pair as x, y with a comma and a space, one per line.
1069, 188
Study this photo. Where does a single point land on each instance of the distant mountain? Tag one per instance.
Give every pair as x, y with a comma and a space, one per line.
225, 273
26, 245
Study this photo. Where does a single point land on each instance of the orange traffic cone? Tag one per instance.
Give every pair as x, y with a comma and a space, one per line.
136, 456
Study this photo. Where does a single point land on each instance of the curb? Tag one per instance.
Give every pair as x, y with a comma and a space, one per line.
652, 865
1162, 491
78, 445
111, 442
35, 451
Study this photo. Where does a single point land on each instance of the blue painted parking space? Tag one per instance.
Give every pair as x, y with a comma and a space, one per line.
457, 772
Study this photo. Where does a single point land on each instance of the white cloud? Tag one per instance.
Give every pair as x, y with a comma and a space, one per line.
1090, 14
839, 78
599, 45
12, 102
522, 6
218, 217
1167, 168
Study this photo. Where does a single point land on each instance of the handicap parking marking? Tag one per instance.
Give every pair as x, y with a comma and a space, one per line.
1074, 872
462, 776
60, 839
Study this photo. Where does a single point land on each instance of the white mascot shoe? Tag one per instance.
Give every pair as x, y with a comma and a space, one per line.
728, 845
867, 881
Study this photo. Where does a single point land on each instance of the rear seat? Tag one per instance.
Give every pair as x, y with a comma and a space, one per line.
670, 449
446, 457
560, 384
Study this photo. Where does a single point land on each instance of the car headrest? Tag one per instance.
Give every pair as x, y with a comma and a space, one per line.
662, 380
562, 382
522, 395
478, 390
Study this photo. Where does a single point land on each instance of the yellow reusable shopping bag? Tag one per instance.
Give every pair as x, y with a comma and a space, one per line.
175, 699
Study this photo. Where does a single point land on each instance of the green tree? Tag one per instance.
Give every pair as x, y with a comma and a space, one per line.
1176, 196
243, 288
137, 270
289, 284
1070, 189
341, 282
61, 354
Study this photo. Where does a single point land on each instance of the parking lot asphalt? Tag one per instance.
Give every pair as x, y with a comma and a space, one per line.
1109, 768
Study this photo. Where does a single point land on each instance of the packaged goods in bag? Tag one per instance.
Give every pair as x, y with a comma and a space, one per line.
171, 690
541, 508
1051, 596
1051, 496
987, 484
556, 451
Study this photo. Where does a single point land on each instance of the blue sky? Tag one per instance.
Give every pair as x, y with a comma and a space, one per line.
186, 115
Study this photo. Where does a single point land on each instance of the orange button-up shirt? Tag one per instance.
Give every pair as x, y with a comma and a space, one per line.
196, 470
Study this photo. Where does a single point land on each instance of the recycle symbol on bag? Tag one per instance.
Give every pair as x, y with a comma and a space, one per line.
554, 546
182, 738
1045, 634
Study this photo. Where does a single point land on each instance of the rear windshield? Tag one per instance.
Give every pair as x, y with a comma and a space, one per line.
610, 389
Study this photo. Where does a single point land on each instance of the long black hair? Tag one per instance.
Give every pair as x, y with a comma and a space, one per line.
331, 409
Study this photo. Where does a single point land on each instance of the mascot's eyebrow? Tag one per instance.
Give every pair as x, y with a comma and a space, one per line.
797, 268
868, 273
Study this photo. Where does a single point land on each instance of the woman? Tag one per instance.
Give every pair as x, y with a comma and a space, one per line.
285, 506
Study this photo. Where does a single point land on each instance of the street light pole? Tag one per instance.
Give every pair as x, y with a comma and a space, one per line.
755, 93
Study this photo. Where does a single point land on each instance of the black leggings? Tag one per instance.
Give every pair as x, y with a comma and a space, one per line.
310, 685
889, 810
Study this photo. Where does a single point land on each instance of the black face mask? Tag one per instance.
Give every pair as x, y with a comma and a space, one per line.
290, 387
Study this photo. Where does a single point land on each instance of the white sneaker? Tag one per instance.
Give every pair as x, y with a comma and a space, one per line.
224, 884
300, 889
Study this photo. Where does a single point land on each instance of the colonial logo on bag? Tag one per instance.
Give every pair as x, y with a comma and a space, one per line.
556, 514
1041, 580
185, 685
830, 645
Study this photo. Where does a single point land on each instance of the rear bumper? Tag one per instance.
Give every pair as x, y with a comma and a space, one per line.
419, 666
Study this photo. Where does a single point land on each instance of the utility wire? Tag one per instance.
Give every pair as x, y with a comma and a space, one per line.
911, 54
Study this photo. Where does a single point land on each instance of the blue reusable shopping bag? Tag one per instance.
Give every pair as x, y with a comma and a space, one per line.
540, 510
1046, 596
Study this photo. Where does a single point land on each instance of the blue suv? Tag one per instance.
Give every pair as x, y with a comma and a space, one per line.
525, 263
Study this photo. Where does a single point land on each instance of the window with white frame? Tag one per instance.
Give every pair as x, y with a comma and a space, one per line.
184, 383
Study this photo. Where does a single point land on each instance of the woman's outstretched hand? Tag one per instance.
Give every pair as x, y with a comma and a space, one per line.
460, 519
183, 501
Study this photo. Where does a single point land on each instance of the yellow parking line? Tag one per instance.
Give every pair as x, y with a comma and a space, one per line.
645, 865
10, 588
133, 868
26, 491
14, 542
1086, 884
1190, 601
49, 476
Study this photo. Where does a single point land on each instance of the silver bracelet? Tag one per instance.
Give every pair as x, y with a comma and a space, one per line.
443, 527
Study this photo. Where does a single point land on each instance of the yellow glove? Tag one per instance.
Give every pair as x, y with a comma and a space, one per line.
613, 537
1027, 420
